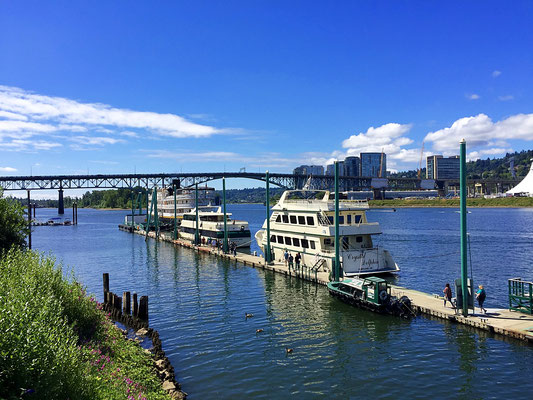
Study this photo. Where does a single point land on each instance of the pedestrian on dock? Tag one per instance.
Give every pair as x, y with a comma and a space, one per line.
298, 258
448, 295
480, 296
286, 256
291, 260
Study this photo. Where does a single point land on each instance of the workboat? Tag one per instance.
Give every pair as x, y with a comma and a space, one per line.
371, 293
211, 226
185, 201
303, 221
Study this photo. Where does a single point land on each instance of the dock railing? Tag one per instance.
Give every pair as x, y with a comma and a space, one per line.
521, 295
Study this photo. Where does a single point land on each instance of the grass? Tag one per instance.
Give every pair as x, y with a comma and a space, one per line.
55, 342
471, 202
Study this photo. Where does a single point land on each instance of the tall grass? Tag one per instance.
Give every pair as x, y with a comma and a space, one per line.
56, 343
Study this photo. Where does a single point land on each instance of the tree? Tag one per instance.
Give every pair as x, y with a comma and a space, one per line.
13, 225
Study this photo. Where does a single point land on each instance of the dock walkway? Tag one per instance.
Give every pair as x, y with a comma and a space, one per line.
499, 321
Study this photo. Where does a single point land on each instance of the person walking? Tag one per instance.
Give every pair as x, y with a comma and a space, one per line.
448, 295
286, 256
291, 260
480, 296
298, 258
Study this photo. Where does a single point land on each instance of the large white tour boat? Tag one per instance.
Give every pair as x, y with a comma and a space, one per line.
303, 221
211, 226
185, 201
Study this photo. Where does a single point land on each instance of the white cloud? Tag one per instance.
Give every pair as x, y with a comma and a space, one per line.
482, 134
374, 139
506, 98
29, 114
95, 141
473, 96
496, 73
7, 169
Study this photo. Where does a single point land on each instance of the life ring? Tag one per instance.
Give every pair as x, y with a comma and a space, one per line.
383, 295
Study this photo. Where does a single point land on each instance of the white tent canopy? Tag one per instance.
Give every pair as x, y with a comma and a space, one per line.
525, 186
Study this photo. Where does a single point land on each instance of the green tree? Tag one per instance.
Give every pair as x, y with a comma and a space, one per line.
13, 224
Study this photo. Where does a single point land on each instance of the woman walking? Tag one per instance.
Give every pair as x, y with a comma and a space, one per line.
448, 295
480, 296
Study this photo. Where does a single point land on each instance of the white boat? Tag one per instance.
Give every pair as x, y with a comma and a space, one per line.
185, 201
211, 226
303, 221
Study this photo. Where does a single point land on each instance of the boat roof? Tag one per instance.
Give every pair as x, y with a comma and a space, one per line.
322, 200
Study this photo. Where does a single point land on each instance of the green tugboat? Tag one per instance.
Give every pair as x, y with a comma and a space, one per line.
372, 294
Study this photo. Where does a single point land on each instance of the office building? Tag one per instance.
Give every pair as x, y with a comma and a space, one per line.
374, 165
309, 170
352, 166
330, 169
439, 167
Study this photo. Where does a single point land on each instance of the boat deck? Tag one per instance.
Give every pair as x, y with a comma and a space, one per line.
499, 321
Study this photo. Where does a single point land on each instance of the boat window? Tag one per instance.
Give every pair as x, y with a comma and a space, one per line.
312, 243
296, 242
293, 219
305, 243
285, 219
310, 221
301, 220
327, 241
330, 218
273, 238
357, 219
349, 219
280, 239
278, 218
287, 240
341, 219
358, 239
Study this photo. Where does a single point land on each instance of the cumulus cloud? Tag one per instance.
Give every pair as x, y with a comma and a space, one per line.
473, 96
482, 134
496, 73
7, 169
25, 114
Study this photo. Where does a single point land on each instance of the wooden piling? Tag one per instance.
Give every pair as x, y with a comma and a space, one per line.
135, 305
126, 302
143, 307
106, 286
117, 302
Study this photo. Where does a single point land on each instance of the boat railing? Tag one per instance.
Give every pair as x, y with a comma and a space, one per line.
348, 248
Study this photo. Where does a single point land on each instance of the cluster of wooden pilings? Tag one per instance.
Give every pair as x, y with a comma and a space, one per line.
124, 304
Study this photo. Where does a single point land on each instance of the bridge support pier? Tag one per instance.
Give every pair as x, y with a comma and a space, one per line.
61, 205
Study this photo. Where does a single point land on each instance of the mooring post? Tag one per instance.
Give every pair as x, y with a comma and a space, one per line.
106, 286
337, 272
143, 307
464, 253
126, 302
225, 247
61, 204
268, 250
29, 221
135, 305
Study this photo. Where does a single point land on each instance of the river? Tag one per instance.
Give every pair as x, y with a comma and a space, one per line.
198, 305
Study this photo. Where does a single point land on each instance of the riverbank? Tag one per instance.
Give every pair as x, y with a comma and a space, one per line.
453, 203
58, 343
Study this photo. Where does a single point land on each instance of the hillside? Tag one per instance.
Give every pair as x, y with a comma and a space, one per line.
496, 168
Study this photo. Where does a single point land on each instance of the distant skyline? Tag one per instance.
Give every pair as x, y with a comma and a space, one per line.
118, 87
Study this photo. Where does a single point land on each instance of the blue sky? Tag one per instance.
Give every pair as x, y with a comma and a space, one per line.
124, 86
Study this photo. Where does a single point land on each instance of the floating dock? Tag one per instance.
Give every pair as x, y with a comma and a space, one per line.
504, 322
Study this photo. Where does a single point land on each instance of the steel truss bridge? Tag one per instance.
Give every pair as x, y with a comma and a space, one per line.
287, 181
131, 181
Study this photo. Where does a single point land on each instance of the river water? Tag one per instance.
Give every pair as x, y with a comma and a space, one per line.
198, 305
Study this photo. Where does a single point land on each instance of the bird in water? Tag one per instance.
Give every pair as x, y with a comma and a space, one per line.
248, 315
288, 350
258, 330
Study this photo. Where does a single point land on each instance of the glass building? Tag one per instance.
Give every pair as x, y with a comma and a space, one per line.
439, 167
374, 165
352, 166
309, 170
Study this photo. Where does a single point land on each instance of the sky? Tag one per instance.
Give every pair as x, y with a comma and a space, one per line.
184, 86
